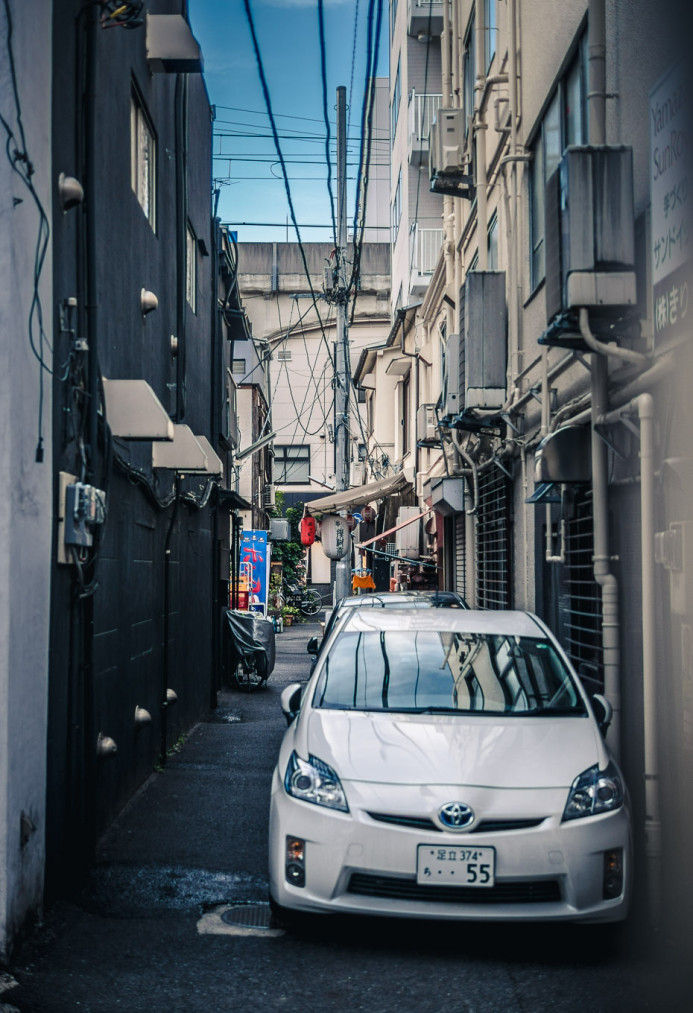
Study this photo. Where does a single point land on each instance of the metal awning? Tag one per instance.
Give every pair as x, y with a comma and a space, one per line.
359, 495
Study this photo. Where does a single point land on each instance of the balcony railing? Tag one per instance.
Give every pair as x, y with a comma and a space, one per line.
422, 112
424, 252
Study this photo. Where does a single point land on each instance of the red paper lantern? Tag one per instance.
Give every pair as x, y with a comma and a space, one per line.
368, 515
307, 529
351, 521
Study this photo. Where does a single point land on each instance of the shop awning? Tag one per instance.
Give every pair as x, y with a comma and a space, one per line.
359, 495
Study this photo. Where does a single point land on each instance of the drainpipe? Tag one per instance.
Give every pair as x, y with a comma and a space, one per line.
166, 657
181, 168
596, 107
448, 208
644, 405
415, 357
480, 127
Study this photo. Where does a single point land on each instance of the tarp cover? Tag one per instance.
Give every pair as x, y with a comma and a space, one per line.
252, 634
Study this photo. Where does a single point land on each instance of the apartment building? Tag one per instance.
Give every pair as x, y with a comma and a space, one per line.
547, 366
294, 323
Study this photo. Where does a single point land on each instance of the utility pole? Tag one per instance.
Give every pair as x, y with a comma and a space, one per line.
342, 379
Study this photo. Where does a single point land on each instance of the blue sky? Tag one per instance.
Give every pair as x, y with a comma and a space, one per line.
251, 185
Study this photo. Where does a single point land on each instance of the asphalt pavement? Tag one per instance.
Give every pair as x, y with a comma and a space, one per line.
174, 917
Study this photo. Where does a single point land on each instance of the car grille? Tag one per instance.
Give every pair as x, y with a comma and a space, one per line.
485, 827
539, 891
493, 826
415, 822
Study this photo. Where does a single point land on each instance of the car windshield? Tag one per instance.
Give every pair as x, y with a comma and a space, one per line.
439, 671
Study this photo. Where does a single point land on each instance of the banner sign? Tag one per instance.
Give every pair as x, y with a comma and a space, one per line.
255, 562
671, 249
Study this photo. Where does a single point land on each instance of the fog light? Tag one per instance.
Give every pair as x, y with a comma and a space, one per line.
613, 874
295, 870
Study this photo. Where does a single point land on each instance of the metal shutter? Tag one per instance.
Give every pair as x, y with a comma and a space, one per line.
460, 555
493, 544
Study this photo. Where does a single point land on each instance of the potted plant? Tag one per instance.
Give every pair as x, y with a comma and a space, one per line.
289, 614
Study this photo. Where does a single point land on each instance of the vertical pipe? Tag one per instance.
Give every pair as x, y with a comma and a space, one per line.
448, 212
343, 380
480, 139
596, 105
651, 692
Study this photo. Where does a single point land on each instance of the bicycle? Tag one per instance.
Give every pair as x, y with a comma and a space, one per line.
306, 599
248, 673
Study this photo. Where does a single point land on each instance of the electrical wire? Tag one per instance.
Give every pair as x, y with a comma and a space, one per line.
268, 103
323, 75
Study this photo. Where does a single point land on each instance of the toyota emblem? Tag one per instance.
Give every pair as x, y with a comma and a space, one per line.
455, 815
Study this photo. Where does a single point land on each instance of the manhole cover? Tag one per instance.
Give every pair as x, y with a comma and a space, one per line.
248, 916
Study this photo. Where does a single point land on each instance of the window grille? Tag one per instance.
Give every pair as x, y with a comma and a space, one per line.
580, 597
284, 356
493, 541
461, 555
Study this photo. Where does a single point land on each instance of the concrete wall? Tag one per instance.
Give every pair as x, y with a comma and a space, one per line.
26, 506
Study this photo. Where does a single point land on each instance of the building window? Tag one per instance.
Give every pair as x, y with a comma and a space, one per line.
469, 72
143, 160
238, 366
291, 465
563, 123
393, 16
397, 208
490, 33
191, 268
284, 356
394, 108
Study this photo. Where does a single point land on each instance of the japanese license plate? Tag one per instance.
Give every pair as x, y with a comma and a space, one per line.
455, 865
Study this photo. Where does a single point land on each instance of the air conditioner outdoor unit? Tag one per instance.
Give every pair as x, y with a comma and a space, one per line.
269, 496
407, 538
590, 230
426, 424
485, 340
446, 152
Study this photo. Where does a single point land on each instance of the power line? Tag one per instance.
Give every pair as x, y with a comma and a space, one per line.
323, 74
268, 103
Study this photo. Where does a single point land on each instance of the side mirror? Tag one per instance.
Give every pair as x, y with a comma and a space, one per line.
313, 646
603, 711
290, 701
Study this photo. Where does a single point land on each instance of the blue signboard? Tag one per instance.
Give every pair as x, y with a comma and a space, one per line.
255, 562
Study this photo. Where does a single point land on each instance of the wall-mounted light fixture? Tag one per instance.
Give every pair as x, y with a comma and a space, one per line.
142, 717
105, 746
70, 192
148, 302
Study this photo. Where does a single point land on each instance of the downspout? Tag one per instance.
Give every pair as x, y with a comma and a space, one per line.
166, 654
480, 127
644, 405
415, 357
181, 141
448, 209
596, 106
473, 471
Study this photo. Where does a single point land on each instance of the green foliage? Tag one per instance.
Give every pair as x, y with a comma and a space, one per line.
290, 554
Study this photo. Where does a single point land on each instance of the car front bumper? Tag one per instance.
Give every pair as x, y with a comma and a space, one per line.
355, 863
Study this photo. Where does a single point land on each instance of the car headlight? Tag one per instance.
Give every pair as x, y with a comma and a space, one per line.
313, 781
594, 791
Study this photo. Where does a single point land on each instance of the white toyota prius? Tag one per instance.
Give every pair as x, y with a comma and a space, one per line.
448, 764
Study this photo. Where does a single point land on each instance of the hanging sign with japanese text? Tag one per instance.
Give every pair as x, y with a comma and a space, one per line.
669, 111
255, 563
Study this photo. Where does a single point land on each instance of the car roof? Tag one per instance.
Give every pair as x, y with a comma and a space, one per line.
391, 599
502, 622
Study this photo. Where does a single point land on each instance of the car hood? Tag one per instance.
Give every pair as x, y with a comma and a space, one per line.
512, 752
